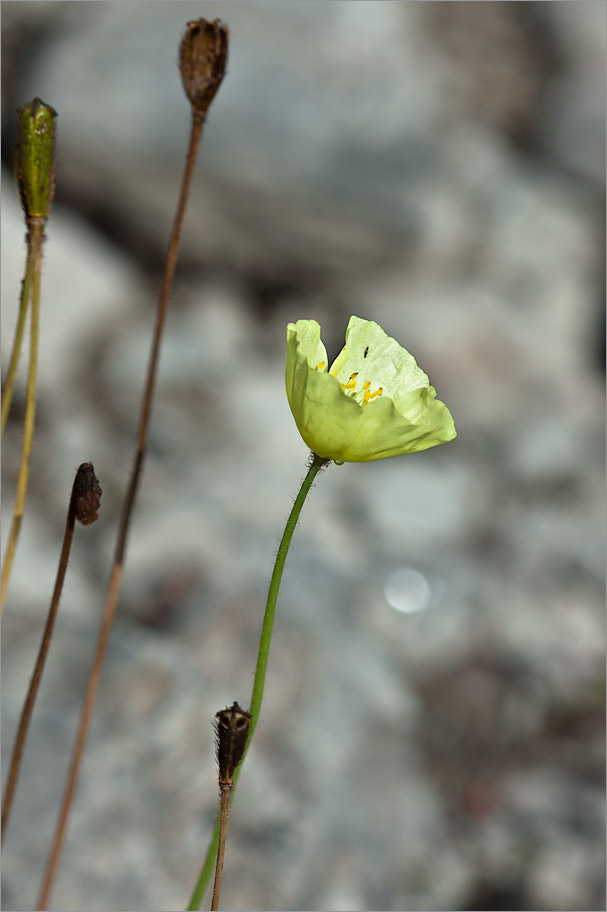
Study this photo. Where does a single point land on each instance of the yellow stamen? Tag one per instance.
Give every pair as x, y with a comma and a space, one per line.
368, 396
320, 366
350, 388
351, 384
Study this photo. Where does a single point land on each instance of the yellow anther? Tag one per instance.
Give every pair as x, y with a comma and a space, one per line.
368, 395
320, 366
334, 373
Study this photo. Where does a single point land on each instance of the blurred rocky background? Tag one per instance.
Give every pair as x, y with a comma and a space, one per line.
433, 730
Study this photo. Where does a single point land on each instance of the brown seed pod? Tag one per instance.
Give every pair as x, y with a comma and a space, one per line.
86, 494
232, 729
203, 57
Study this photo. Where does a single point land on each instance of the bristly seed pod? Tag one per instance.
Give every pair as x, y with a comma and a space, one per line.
35, 157
232, 729
203, 57
86, 494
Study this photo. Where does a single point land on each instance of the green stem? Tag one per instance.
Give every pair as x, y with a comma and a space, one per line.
316, 464
36, 239
7, 392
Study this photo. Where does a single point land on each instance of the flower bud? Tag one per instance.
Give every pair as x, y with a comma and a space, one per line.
35, 157
203, 57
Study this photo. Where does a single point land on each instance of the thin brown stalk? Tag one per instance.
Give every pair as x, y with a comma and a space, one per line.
127, 509
232, 730
84, 501
224, 810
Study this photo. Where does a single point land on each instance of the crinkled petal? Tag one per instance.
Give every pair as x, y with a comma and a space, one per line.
326, 418
387, 431
378, 359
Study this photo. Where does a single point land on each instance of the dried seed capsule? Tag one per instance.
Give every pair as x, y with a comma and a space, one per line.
203, 57
232, 729
35, 157
86, 494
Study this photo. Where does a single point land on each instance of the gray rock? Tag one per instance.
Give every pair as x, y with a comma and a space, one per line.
433, 702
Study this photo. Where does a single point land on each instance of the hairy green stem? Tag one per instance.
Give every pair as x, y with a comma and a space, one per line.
316, 464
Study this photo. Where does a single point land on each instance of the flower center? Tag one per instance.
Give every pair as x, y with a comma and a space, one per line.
364, 395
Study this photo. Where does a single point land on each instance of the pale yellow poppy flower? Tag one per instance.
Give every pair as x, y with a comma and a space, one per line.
371, 403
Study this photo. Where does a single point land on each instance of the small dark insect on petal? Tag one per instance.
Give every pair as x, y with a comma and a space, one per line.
366, 352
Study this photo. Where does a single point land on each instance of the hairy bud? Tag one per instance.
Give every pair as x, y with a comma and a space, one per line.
232, 729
